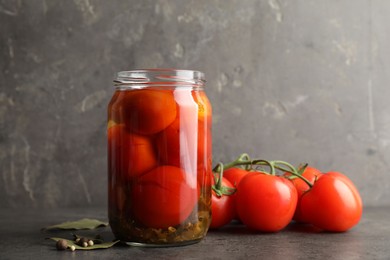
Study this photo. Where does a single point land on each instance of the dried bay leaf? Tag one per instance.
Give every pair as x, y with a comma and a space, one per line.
95, 246
85, 223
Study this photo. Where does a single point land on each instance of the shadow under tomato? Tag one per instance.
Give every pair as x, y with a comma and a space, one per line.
302, 228
236, 227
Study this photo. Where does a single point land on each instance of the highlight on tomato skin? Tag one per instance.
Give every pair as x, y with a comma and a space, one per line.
133, 154
148, 111
333, 203
163, 197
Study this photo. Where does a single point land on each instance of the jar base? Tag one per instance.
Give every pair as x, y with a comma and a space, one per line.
184, 243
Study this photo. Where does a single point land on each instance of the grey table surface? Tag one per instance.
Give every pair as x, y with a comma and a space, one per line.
21, 238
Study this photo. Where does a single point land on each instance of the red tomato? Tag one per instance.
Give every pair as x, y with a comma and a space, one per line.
163, 197
333, 203
117, 196
204, 141
265, 202
234, 176
204, 126
115, 106
204, 135
187, 141
204, 174
168, 144
130, 154
222, 207
204, 106
174, 144
148, 111
311, 174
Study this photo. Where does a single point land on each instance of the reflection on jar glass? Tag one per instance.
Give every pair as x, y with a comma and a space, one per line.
159, 157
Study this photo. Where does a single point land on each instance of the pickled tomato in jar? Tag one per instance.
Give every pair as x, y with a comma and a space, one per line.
159, 157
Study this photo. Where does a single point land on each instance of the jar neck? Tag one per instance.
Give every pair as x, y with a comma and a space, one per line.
160, 77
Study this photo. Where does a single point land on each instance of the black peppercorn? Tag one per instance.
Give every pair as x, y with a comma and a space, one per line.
83, 242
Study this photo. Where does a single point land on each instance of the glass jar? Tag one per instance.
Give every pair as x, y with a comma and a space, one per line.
159, 157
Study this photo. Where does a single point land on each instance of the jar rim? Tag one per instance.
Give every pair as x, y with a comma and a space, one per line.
160, 76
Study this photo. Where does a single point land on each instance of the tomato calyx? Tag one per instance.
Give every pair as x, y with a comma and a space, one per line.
218, 188
300, 170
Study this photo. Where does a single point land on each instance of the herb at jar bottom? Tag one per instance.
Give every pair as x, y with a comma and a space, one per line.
171, 234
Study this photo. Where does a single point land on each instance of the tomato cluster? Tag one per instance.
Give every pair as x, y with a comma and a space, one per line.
268, 202
159, 148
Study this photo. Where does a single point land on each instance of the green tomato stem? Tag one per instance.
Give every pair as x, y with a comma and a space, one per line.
218, 180
243, 159
267, 163
293, 171
217, 187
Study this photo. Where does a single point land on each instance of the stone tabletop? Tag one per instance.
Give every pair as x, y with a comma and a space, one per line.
21, 238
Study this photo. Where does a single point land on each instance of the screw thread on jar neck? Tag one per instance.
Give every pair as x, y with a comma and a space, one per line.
160, 77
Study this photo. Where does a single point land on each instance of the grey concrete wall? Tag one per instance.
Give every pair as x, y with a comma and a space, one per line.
302, 81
